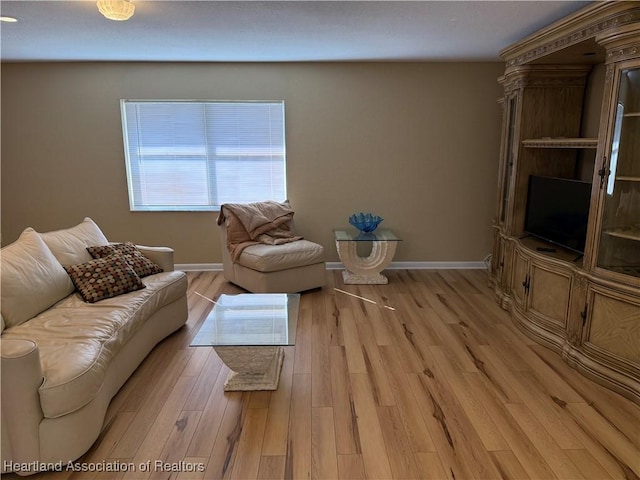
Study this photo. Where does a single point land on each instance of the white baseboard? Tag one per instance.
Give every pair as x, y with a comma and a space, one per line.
422, 266
199, 267
217, 267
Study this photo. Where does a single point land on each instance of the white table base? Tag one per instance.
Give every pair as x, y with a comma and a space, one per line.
365, 270
252, 368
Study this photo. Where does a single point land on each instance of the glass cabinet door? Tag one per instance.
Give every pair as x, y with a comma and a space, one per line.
508, 159
619, 247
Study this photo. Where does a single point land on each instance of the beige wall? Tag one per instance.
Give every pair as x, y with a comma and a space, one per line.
416, 143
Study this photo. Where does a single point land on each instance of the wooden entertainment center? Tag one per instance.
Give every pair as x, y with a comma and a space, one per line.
571, 109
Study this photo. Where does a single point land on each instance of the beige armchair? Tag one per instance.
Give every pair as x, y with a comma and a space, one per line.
262, 254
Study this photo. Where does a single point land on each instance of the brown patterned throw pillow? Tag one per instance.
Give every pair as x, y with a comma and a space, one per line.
141, 264
104, 278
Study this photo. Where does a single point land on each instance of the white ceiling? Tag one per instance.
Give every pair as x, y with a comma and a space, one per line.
180, 30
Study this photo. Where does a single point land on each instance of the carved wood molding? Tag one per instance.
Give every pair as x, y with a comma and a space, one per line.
622, 43
540, 82
581, 281
620, 54
580, 33
608, 76
561, 143
543, 79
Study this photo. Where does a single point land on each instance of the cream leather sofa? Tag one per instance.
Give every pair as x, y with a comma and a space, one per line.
64, 359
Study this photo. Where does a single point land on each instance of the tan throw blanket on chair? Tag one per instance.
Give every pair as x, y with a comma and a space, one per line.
260, 222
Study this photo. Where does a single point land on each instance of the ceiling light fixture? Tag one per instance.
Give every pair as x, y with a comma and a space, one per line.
8, 19
116, 9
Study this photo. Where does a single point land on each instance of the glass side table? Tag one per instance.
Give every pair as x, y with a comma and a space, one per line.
248, 332
365, 270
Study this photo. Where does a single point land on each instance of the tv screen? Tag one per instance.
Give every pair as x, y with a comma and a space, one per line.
558, 211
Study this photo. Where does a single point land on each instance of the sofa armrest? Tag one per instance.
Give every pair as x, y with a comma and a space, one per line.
21, 411
162, 256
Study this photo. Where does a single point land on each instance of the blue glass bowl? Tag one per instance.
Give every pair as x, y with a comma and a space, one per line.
365, 222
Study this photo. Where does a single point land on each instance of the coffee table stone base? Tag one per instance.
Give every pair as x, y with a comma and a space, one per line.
369, 279
252, 368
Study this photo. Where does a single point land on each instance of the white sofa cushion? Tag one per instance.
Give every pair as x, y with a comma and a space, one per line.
69, 245
273, 258
32, 279
75, 369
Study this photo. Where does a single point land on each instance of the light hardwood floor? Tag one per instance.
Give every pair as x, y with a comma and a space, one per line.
432, 381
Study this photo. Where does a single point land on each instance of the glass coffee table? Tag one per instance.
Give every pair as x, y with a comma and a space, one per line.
248, 332
365, 270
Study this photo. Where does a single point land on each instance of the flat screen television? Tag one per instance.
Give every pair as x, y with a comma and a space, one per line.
558, 211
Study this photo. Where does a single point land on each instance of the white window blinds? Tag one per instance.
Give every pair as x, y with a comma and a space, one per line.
197, 155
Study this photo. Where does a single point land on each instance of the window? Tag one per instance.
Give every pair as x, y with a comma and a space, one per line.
197, 155
615, 147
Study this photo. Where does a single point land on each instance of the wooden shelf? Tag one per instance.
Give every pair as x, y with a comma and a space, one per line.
561, 143
632, 114
627, 233
551, 250
631, 270
628, 178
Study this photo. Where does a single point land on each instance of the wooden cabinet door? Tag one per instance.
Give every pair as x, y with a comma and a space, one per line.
617, 242
519, 278
613, 327
506, 261
497, 258
549, 294
500, 263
